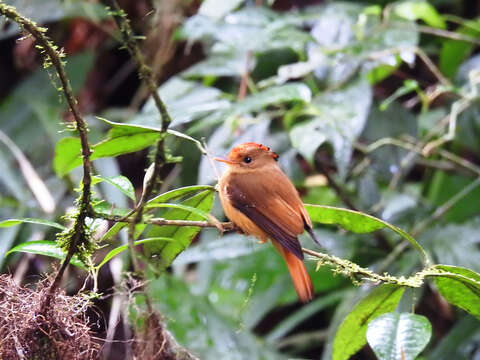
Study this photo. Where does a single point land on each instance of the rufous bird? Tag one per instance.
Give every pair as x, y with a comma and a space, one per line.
260, 200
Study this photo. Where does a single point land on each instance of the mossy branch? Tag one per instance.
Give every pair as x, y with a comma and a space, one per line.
77, 238
146, 74
341, 266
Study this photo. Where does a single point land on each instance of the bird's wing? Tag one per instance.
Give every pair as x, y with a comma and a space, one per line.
274, 206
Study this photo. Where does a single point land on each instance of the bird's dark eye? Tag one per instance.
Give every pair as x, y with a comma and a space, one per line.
247, 159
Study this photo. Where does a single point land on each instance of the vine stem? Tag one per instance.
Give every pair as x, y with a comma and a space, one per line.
53, 56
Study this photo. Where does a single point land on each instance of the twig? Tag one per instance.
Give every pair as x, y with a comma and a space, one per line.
146, 74
226, 226
53, 56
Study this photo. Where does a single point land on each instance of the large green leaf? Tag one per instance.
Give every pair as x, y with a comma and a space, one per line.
454, 52
47, 248
13, 222
398, 336
420, 10
357, 222
121, 139
460, 286
338, 118
185, 101
177, 193
122, 183
118, 250
182, 235
257, 29
271, 96
350, 336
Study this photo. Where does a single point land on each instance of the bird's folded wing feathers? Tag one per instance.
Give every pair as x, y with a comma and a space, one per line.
280, 215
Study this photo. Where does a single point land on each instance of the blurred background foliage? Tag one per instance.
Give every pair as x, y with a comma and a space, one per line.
351, 95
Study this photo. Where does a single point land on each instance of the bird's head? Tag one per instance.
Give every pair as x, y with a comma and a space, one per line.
249, 155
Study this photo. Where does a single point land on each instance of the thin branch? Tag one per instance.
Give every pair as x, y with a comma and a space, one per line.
359, 274
54, 56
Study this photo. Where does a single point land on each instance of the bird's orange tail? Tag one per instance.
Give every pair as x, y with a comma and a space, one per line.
298, 272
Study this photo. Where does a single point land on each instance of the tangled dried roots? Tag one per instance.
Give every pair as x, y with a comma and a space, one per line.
61, 333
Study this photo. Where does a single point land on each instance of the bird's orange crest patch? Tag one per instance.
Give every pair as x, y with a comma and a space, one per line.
246, 146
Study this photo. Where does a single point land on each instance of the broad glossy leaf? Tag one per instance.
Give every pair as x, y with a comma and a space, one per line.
398, 336
185, 101
203, 214
256, 29
271, 96
118, 250
454, 52
13, 222
338, 118
460, 286
121, 139
357, 222
47, 248
420, 10
350, 336
182, 235
177, 193
120, 182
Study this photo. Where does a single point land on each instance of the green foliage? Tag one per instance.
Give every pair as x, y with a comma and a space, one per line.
121, 139
357, 222
461, 287
398, 336
13, 222
47, 248
350, 336
341, 89
164, 254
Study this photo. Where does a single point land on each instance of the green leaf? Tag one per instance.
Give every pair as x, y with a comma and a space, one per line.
47, 248
338, 118
114, 230
203, 214
183, 235
13, 222
398, 336
185, 100
110, 255
350, 336
460, 286
420, 10
121, 139
120, 182
454, 52
357, 222
183, 191
271, 96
